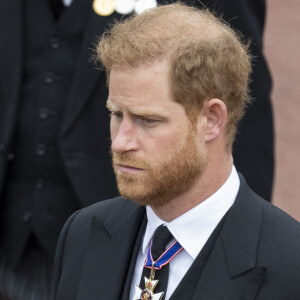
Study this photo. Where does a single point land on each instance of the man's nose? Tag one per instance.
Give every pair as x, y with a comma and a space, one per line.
125, 138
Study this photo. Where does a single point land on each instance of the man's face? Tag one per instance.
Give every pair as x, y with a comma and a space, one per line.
157, 153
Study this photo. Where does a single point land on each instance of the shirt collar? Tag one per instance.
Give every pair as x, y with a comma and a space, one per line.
193, 228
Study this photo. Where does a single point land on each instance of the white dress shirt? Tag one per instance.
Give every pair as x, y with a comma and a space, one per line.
191, 230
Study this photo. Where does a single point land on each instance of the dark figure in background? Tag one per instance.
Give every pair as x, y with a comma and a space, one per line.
54, 133
253, 150
54, 128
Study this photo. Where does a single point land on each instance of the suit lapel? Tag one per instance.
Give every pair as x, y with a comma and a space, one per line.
11, 38
135, 251
86, 75
109, 253
231, 272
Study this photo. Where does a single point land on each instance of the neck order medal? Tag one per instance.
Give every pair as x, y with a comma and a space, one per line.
150, 284
148, 292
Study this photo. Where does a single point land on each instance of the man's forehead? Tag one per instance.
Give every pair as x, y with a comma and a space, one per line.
146, 82
142, 108
153, 67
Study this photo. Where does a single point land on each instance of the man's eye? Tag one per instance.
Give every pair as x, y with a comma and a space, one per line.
149, 121
116, 114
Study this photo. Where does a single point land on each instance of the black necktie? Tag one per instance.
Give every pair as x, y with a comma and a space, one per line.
57, 7
161, 239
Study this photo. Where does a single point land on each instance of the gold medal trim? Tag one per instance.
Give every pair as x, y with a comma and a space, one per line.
104, 7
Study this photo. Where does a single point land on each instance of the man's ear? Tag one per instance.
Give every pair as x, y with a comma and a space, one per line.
215, 113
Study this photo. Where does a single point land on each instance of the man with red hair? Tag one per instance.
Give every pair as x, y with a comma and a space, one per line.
187, 225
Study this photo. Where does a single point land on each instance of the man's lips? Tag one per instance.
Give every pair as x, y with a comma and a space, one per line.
128, 169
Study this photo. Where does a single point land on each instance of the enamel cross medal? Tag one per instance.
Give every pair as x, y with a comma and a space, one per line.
148, 292
150, 284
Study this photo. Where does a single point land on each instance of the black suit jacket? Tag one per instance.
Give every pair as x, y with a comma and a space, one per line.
256, 255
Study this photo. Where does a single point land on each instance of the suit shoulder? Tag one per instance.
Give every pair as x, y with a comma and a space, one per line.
280, 238
102, 211
281, 220
102, 208
273, 217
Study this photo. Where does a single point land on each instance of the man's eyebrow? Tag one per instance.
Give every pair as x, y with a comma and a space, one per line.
139, 112
109, 105
149, 114
144, 113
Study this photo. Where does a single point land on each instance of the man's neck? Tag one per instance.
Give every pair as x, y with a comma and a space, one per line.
210, 181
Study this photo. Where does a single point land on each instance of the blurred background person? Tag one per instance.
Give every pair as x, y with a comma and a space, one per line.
282, 45
253, 150
54, 136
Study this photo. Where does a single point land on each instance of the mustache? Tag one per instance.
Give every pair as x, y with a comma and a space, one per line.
127, 159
